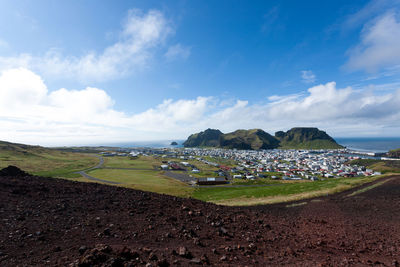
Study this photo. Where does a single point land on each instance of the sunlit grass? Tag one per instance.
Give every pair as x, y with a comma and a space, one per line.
141, 162
46, 162
147, 180
240, 196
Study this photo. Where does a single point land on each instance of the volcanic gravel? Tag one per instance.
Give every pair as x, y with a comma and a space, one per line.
54, 222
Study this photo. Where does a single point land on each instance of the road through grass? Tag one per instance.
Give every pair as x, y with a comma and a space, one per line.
147, 180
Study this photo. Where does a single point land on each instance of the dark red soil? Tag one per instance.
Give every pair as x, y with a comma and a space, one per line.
57, 222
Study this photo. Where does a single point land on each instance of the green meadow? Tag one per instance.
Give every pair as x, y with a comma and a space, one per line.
143, 173
278, 192
147, 180
44, 161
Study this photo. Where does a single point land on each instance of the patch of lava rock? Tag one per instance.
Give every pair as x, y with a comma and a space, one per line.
55, 222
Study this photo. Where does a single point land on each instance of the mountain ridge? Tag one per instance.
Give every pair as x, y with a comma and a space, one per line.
255, 139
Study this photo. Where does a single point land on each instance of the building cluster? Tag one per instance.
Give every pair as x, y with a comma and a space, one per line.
251, 164
279, 164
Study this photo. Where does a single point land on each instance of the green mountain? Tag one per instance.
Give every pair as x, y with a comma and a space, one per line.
295, 138
207, 138
306, 138
249, 139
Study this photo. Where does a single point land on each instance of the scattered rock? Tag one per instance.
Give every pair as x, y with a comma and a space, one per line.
195, 261
153, 257
183, 252
163, 263
107, 231
82, 249
76, 212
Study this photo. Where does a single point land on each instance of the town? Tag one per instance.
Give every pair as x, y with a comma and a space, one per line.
219, 166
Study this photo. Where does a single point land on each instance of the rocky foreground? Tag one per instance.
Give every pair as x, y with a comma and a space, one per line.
56, 222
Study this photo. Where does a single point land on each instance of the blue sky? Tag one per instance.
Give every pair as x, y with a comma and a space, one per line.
85, 72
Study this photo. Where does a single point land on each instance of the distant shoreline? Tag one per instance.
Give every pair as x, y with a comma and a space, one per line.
362, 144
373, 144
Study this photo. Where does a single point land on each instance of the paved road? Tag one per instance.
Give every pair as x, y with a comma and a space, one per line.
99, 165
133, 169
96, 179
101, 162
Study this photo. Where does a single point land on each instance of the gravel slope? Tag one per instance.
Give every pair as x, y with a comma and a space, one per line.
54, 222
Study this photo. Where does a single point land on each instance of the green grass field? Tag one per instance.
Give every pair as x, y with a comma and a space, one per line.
263, 181
145, 176
43, 161
276, 193
147, 180
142, 162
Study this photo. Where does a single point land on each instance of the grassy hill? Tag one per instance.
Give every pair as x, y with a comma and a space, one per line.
249, 139
295, 138
43, 161
306, 138
207, 138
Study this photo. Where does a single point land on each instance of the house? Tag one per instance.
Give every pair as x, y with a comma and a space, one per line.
164, 167
211, 181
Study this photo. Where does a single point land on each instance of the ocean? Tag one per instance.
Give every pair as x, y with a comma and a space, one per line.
377, 145
364, 144
153, 144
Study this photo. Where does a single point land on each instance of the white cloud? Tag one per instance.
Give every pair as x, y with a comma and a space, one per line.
177, 51
370, 10
342, 112
140, 35
29, 113
19, 87
308, 76
379, 46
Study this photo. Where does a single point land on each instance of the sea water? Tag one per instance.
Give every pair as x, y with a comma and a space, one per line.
364, 144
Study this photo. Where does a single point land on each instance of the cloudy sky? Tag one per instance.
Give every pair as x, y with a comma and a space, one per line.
93, 72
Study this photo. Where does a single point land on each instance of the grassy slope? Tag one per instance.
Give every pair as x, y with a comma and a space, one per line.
44, 161
147, 180
279, 193
314, 144
145, 176
384, 166
50, 162
254, 138
126, 162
